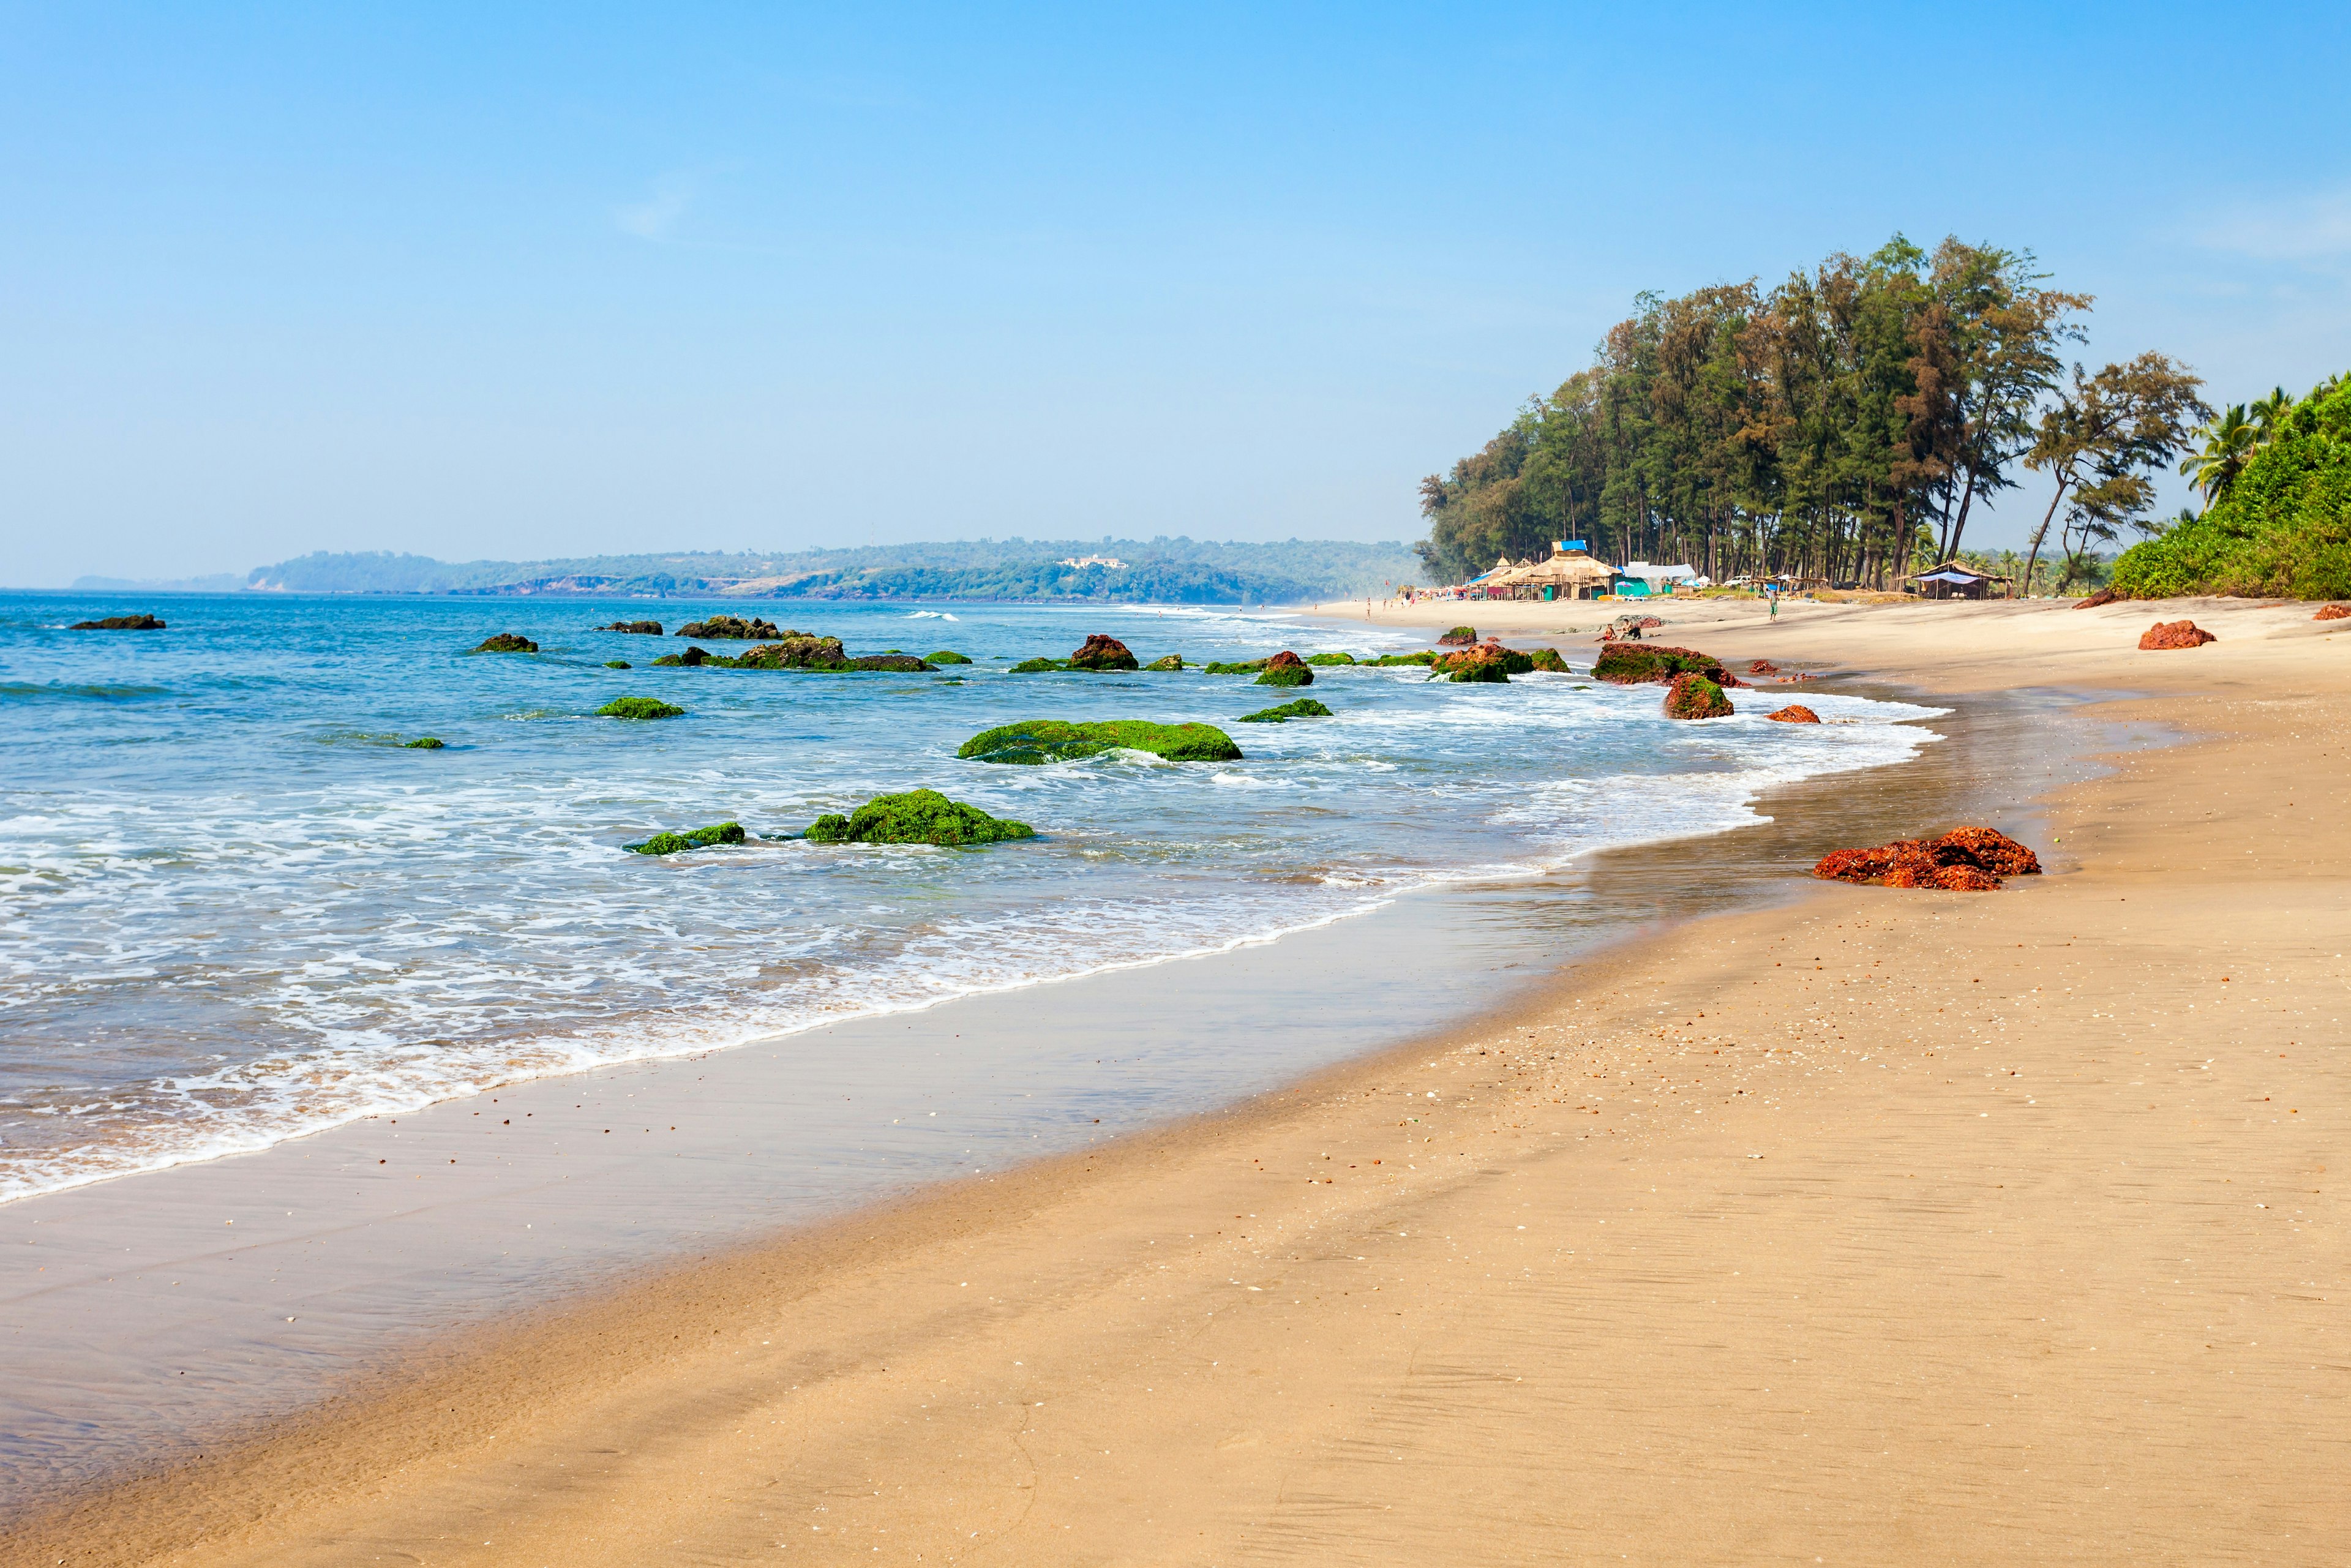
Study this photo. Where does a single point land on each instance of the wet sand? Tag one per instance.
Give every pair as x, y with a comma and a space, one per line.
1880, 1225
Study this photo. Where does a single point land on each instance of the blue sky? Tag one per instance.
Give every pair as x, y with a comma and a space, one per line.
509, 281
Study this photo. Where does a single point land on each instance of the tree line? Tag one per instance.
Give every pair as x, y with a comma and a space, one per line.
1844, 426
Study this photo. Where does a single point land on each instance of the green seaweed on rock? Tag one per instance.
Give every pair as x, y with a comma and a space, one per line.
916, 817
1172, 662
1043, 740
425, 743
1328, 659
1301, 708
667, 843
949, 656
637, 707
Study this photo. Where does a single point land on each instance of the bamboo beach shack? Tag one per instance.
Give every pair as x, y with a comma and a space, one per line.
1952, 580
1568, 573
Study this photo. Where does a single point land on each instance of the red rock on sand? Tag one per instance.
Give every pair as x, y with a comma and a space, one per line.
1794, 713
1762, 667
1965, 859
2103, 596
2333, 612
1995, 851
2174, 634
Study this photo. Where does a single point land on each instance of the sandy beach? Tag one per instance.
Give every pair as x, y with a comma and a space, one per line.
1876, 1226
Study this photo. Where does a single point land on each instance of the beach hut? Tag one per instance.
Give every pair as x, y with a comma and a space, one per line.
1953, 580
1567, 574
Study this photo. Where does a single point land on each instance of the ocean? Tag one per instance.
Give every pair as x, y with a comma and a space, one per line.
235, 908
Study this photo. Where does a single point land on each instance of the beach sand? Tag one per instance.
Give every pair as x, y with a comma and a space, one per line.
1879, 1227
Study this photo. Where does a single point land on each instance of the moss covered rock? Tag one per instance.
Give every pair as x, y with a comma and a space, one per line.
693, 839
1627, 664
1234, 667
1052, 740
1172, 662
1388, 660
641, 628
1301, 708
1488, 662
1323, 659
1285, 669
1548, 661
1459, 637
916, 817
949, 656
732, 628
1694, 696
617, 665
637, 707
506, 642
1038, 666
425, 743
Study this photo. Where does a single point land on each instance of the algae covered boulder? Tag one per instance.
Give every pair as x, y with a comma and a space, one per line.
641, 628
1172, 662
1038, 666
1322, 660
1386, 661
1043, 740
120, 624
637, 707
1459, 637
1103, 653
693, 839
1694, 696
1548, 661
1300, 707
916, 817
1623, 665
794, 651
425, 743
1234, 667
617, 665
1285, 669
506, 642
732, 628
949, 656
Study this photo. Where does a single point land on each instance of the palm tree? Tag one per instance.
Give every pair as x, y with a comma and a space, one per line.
2269, 415
2228, 441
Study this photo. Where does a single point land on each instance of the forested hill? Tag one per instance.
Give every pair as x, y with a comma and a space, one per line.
1160, 571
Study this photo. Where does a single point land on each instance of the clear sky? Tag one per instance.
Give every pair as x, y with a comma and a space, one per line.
512, 281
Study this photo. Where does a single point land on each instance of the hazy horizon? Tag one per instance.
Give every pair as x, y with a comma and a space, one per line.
537, 285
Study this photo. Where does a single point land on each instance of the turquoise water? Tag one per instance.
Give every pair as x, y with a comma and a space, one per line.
234, 908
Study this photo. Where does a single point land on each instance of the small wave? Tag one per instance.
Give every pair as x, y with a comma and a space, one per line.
23, 691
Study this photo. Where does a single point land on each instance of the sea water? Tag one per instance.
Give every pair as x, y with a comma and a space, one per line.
235, 907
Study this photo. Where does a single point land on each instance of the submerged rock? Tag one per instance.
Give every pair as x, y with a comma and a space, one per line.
637, 707
1694, 696
1426, 656
1459, 637
618, 664
1052, 740
506, 642
2174, 634
1103, 653
694, 839
916, 817
949, 656
1285, 669
1794, 713
1038, 666
794, 651
641, 628
1300, 707
1234, 667
1172, 662
120, 624
1965, 859
732, 628
425, 743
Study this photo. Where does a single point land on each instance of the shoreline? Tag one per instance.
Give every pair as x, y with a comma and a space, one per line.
1065, 1254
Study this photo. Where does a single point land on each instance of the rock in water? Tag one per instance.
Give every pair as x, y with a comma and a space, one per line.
1486, 662
1172, 662
1794, 713
1052, 740
1965, 859
506, 642
796, 650
949, 656
1459, 637
1102, 652
2103, 597
1694, 696
694, 839
2333, 612
1321, 660
1548, 661
637, 707
1762, 667
1623, 665
1285, 669
425, 743
120, 624
917, 817
1301, 707
732, 628
642, 628
2174, 634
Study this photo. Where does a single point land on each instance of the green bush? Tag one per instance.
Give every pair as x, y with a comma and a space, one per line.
2284, 528
916, 817
667, 844
1301, 707
1052, 740
637, 707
